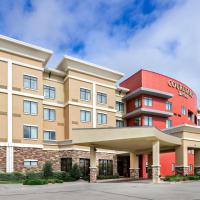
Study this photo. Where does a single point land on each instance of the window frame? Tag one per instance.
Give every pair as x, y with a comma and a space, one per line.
168, 125
30, 129
49, 131
31, 77
30, 161
168, 105
49, 114
102, 114
30, 107
101, 94
85, 115
49, 89
148, 100
183, 110
121, 122
149, 117
87, 91
120, 105
137, 103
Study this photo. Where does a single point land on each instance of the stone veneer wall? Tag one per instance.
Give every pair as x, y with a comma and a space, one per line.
54, 156
2, 159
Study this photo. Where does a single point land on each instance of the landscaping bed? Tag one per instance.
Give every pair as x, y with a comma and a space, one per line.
177, 178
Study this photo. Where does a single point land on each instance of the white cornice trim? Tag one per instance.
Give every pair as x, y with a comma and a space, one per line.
28, 95
28, 145
4, 91
89, 81
53, 104
53, 80
191, 139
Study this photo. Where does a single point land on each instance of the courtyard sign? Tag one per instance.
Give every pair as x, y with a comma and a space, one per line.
182, 90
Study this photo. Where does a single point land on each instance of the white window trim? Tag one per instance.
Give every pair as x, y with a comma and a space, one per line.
30, 160
106, 98
30, 113
49, 120
90, 94
106, 118
36, 126
90, 116
30, 88
49, 131
146, 97
51, 87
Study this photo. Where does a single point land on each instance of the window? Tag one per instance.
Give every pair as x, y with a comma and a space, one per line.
148, 121
30, 132
168, 106
85, 116
49, 92
168, 123
198, 122
30, 107
30, 163
84, 165
183, 110
49, 135
119, 106
137, 103
138, 121
85, 94
190, 116
105, 167
102, 118
119, 123
191, 168
101, 98
49, 114
148, 101
173, 167
30, 82
66, 164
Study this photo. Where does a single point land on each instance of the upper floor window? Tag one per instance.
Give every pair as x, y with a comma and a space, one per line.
85, 94
49, 92
119, 123
30, 132
49, 135
101, 118
85, 116
30, 82
137, 103
49, 114
168, 123
148, 121
191, 116
138, 121
183, 110
30, 107
168, 106
148, 101
101, 98
119, 106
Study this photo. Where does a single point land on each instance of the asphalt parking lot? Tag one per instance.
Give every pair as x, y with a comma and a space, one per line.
112, 191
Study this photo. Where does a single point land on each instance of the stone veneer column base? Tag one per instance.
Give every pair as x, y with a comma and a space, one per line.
134, 173
93, 174
156, 174
197, 170
182, 171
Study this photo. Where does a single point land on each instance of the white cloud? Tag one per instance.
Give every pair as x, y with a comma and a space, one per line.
169, 45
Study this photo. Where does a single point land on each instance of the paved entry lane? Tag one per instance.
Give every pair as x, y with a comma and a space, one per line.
102, 191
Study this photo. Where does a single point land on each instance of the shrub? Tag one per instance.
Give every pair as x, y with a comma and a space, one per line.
55, 181
69, 178
15, 176
35, 182
47, 170
34, 175
194, 177
75, 172
59, 175
101, 177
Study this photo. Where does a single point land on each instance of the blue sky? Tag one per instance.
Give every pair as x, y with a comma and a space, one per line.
160, 35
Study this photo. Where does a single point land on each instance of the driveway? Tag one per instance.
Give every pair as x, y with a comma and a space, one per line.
142, 190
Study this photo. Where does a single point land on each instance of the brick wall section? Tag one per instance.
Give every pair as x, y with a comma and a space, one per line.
20, 154
2, 159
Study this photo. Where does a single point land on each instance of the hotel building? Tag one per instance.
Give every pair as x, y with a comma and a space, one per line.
45, 112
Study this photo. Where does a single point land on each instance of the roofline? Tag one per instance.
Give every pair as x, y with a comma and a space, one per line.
89, 63
26, 44
55, 71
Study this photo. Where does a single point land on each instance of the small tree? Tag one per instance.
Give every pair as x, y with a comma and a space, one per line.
47, 170
75, 172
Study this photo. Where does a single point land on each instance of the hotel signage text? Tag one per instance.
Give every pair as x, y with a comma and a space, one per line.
182, 90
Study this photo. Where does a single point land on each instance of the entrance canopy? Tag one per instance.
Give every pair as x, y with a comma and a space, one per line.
132, 139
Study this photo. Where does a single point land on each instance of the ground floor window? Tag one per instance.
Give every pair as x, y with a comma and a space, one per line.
30, 163
105, 167
191, 168
173, 167
66, 164
84, 165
